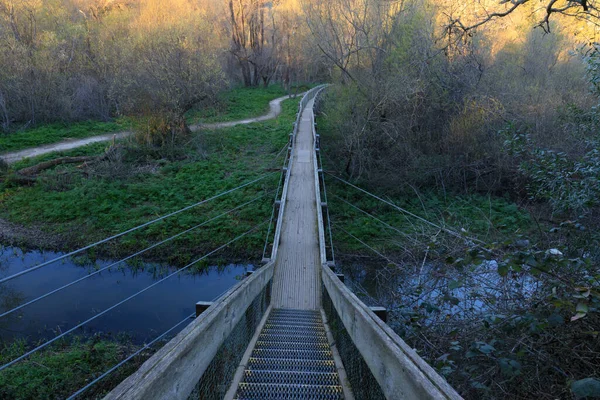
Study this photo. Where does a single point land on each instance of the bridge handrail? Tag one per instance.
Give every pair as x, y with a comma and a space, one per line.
174, 371
305, 99
400, 372
320, 223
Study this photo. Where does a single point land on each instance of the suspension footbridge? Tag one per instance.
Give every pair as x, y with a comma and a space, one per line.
291, 329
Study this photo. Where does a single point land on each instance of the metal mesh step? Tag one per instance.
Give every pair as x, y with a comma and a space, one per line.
312, 316
293, 329
291, 359
301, 354
267, 391
287, 311
293, 321
299, 337
312, 346
285, 364
291, 377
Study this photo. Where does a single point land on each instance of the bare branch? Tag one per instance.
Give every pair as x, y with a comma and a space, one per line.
586, 7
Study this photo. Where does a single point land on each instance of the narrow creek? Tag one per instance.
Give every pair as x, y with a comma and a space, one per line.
436, 291
141, 318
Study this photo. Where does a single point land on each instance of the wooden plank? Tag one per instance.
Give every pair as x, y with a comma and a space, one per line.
319, 210
296, 281
399, 370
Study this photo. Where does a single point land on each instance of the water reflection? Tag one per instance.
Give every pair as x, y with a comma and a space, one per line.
439, 293
143, 317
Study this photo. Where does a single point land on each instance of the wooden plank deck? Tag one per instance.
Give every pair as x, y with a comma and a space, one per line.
297, 280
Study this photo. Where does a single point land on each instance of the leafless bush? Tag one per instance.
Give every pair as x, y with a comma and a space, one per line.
500, 322
59, 180
89, 99
118, 164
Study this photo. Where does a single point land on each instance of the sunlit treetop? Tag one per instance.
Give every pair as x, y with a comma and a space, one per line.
480, 12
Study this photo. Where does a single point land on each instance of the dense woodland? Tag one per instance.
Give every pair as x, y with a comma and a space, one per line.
491, 101
74, 60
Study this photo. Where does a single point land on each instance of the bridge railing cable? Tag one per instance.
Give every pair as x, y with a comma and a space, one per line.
367, 246
72, 253
404, 211
324, 187
139, 351
49, 342
126, 360
409, 237
155, 245
287, 164
279, 185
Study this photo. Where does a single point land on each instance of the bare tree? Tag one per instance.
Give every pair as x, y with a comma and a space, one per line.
579, 9
352, 34
254, 39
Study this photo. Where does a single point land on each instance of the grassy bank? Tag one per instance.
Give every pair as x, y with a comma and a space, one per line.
84, 204
233, 104
65, 367
475, 215
483, 216
47, 134
236, 104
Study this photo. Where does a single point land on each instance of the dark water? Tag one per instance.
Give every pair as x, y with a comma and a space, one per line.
142, 318
475, 291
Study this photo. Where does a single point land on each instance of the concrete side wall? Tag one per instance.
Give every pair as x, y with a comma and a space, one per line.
399, 370
174, 370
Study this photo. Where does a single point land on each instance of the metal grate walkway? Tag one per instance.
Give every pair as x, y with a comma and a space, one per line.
291, 360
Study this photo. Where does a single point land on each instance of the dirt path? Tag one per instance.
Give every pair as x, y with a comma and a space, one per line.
274, 111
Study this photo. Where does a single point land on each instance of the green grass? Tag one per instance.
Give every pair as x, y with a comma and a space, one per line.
87, 150
65, 367
487, 218
233, 104
52, 133
86, 208
238, 103
484, 217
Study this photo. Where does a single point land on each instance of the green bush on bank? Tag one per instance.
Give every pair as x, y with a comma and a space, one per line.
65, 367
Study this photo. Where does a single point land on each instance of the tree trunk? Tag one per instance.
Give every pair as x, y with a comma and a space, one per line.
4, 110
246, 73
29, 171
256, 76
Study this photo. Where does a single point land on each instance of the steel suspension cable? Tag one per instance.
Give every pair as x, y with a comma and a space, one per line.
380, 221
449, 231
280, 152
327, 209
272, 218
367, 246
133, 229
123, 362
286, 160
27, 354
129, 257
274, 201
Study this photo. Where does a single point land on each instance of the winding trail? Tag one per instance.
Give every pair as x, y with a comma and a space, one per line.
69, 144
